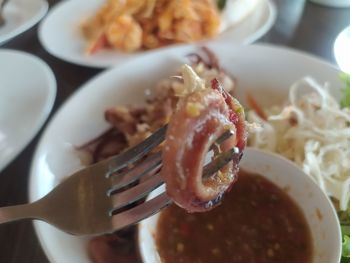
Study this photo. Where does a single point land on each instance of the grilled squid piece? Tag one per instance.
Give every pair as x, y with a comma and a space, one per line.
201, 117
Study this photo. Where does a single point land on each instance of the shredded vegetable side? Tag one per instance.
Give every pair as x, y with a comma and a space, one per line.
313, 131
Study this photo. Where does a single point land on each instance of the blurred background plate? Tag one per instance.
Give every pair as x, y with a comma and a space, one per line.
27, 94
60, 35
342, 50
21, 15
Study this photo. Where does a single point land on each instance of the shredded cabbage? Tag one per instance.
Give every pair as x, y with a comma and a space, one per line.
313, 131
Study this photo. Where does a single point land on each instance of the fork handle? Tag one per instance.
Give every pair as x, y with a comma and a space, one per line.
18, 212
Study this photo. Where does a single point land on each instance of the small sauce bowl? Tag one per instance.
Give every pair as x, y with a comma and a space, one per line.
312, 201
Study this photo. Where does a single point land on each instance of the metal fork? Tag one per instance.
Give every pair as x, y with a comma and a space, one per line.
106, 196
2, 4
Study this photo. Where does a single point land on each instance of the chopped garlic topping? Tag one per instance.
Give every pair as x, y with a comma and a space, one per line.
193, 109
191, 80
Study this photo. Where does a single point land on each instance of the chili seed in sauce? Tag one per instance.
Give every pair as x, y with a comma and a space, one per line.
256, 223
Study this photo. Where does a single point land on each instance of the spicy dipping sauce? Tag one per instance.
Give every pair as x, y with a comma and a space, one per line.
256, 223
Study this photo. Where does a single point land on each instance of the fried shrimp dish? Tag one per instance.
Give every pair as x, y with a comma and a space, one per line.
131, 25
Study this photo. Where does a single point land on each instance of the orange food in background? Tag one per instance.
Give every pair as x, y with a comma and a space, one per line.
131, 25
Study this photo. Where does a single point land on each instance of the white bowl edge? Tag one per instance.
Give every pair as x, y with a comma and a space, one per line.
325, 229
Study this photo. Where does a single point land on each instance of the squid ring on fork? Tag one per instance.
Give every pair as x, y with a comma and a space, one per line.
200, 119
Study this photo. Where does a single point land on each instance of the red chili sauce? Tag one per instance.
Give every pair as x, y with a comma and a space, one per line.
256, 223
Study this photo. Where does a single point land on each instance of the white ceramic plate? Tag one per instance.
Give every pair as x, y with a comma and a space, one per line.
341, 50
21, 15
267, 70
325, 232
60, 35
27, 94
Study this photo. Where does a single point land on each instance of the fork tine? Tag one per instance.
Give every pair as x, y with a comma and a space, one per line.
135, 153
151, 163
135, 193
142, 211
227, 134
152, 206
221, 160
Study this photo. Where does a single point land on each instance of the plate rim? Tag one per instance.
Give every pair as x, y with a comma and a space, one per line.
46, 71
338, 52
265, 46
272, 10
269, 5
41, 12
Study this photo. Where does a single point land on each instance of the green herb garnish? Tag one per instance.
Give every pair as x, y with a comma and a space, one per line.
346, 246
221, 4
344, 216
345, 249
345, 101
344, 219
